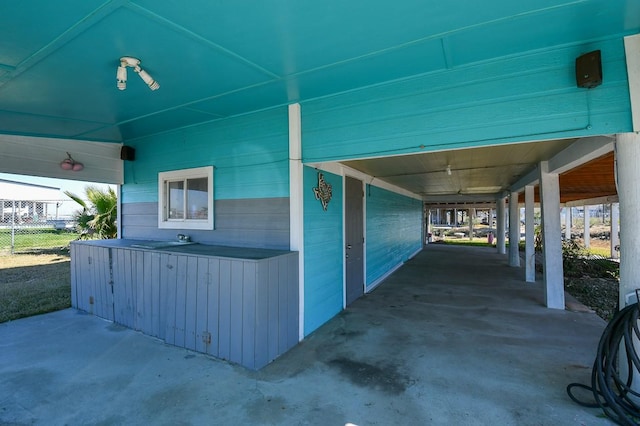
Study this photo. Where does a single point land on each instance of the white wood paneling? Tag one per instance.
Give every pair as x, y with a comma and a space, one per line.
632, 51
42, 156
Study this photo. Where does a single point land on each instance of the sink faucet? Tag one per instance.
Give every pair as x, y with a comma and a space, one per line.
184, 238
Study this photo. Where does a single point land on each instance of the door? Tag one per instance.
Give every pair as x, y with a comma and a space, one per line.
354, 239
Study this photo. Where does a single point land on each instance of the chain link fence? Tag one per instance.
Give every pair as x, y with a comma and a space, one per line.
35, 226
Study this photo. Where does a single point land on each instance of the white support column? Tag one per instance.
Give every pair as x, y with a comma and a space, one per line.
551, 238
500, 226
491, 230
567, 223
429, 218
627, 157
296, 218
529, 235
472, 215
118, 211
514, 230
615, 236
587, 226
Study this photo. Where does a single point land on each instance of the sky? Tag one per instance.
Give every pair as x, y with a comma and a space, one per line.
74, 186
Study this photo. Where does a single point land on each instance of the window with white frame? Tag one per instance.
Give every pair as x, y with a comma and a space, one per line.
186, 199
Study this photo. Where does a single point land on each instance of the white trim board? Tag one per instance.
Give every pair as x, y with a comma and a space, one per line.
342, 170
34, 156
632, 52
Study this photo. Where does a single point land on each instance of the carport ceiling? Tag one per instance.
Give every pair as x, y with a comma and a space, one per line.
479, 175
468, 174
215, 59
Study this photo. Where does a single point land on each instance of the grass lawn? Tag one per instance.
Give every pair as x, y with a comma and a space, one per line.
32, 284
600, 251
29, 239
480, 242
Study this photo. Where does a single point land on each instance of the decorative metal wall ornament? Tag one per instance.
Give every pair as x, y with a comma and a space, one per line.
323, 191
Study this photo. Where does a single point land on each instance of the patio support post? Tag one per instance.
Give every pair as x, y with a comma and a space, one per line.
500, 226
615, 237
472, 215
627, 154
529, 235
13, 225
551, 237
587, 227
491, 222
514, 230
296, 202
567, 223
428, 220
118, 211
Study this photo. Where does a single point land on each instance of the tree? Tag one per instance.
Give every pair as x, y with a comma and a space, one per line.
98, 219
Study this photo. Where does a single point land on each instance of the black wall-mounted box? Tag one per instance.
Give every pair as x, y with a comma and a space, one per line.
589, 70
127, 153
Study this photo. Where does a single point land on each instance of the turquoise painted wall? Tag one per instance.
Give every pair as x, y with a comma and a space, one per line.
519, 98
393, 229
323, 259
250, 154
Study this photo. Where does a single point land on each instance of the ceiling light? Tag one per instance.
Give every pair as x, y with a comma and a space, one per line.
70, 164
153, 85
482, 189
122, 77
127, 61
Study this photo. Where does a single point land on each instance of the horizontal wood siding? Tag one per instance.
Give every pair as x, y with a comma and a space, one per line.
261, 223
323, 260
250, 154
394, 229
520, 98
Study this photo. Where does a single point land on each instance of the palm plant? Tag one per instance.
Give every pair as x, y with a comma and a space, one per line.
98, 219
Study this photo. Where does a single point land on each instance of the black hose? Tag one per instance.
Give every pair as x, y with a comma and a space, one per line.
612, 392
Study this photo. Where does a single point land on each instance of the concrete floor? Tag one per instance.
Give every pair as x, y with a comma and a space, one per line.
454, 337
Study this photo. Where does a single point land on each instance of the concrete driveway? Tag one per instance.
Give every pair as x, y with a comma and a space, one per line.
454, 337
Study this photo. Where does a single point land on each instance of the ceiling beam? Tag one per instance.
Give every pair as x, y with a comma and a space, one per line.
342, 170
531, 178
471, 205
610, 199
461, 199
581, 151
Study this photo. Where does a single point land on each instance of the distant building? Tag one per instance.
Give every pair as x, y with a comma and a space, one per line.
27, 202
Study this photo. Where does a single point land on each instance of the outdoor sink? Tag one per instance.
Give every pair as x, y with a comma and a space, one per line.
160, 244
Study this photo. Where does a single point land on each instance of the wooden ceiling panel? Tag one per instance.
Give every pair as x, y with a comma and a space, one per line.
593, 179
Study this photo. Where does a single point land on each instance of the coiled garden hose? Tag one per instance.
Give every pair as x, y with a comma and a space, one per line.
611, 388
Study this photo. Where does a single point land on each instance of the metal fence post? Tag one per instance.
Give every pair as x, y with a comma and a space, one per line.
13, 225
